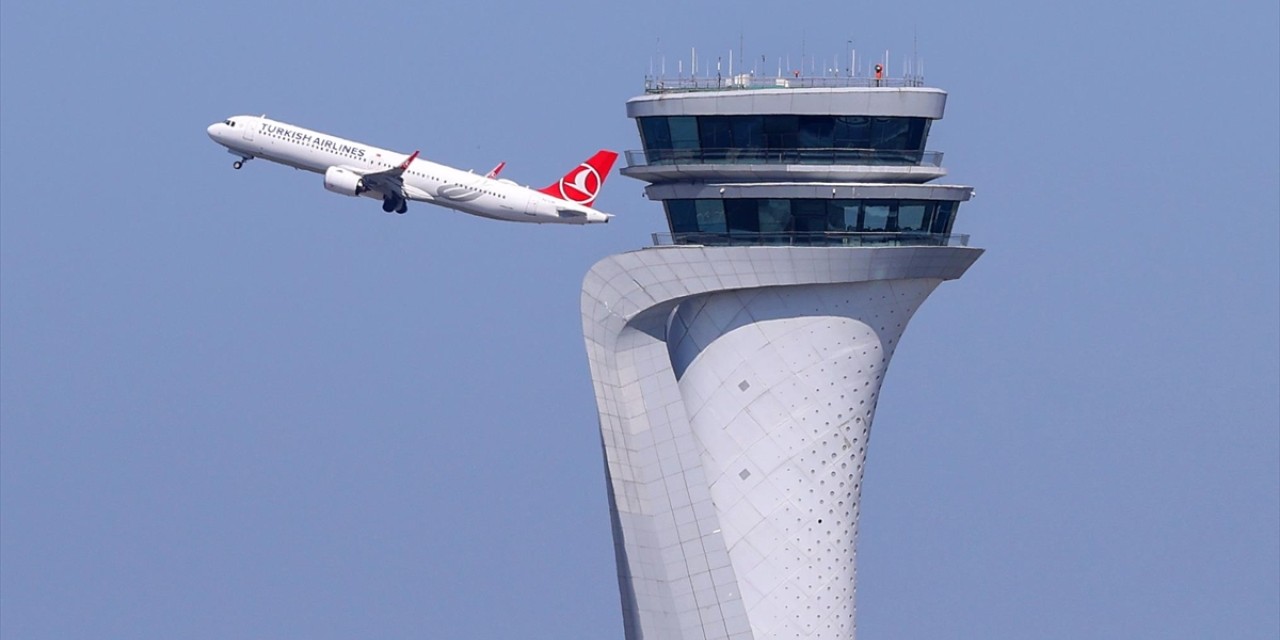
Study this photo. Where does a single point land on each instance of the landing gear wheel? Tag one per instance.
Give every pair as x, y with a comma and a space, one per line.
388, 205
404, 206
237, 164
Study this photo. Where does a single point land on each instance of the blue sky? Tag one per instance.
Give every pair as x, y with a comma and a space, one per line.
236, 405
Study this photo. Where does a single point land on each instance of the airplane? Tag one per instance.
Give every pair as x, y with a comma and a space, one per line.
357, 169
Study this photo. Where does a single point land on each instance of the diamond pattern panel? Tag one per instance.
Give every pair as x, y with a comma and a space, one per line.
787, 380
675, 574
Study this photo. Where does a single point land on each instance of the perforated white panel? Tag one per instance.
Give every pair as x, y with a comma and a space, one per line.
781, 387
735, 389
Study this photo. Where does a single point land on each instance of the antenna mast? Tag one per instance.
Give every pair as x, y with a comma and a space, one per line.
915, 52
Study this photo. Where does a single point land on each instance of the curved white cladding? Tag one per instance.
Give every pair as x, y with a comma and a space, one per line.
780, 385
700, 556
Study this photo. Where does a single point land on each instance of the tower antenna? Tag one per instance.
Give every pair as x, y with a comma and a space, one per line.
657, 47
915, 50
803, 42
741, 56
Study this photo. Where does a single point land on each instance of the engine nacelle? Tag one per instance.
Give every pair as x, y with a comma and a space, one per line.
339, 180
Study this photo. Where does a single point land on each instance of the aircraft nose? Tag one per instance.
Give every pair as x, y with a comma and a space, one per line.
213, 130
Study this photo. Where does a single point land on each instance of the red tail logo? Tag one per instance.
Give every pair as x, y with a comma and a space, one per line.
582, 184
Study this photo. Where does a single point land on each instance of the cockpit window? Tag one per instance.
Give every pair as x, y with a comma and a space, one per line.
229, 123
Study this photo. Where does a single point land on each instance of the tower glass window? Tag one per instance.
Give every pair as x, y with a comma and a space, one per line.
843, 215
810, 220
944, 218
809, 139
875, 215
710, 215
716, 136
655, 133
684, 132
775, 214
911, 216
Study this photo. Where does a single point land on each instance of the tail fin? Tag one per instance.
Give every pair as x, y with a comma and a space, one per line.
582, 183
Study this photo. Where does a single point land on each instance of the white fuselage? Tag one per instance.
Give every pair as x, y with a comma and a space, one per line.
425, 181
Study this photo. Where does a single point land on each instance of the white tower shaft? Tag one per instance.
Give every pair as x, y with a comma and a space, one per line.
736, 388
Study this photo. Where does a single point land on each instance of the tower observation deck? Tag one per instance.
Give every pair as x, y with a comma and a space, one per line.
738, 361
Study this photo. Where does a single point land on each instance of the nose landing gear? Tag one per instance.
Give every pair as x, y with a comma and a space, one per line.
239, 163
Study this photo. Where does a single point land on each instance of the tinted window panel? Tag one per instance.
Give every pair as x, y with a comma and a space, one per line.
741, 215
911, 216
942, 221
917, 133
810, 215
930, 210
842, 215
716, 135
775, 215
815, 132
710, 216
851, 132
889, 133
655, 133
682, 216
875, 215
748, 131
780, 131
684, 132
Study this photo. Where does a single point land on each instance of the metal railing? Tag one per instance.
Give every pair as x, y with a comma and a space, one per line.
873, 157
661, 84
813, 239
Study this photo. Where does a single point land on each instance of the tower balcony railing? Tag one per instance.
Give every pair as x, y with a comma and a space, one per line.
857, 157
812, 239
747, 81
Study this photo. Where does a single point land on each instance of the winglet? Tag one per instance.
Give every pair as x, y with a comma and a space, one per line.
405, 165
496, 170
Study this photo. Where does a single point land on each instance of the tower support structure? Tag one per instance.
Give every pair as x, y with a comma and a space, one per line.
737, 364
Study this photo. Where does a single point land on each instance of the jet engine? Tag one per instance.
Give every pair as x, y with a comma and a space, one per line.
339, 180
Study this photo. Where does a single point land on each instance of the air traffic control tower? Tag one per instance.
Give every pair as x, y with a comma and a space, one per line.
737, 362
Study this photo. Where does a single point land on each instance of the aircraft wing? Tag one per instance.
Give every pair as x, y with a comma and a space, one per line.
389, 181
